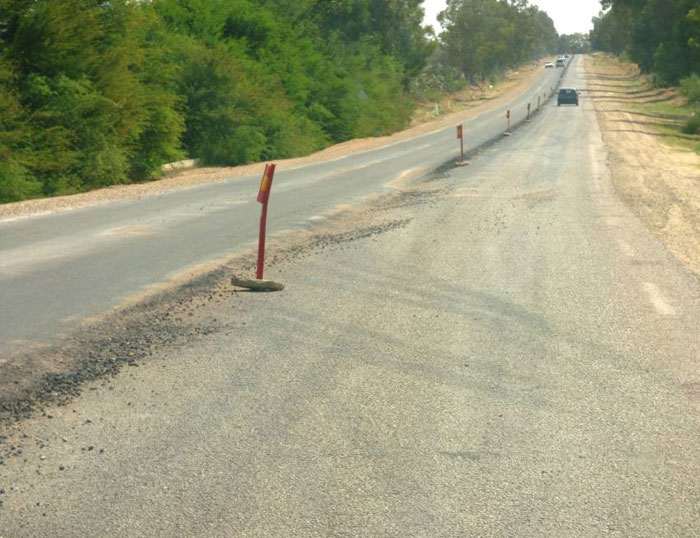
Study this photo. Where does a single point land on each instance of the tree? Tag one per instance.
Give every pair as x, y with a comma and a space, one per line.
16, 181
483, 37
574, 44
661, 36
98, 92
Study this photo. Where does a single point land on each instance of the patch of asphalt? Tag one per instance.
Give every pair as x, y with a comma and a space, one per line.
58, 372
97, 350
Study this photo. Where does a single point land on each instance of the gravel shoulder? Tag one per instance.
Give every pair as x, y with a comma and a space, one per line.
658, 180
479, 101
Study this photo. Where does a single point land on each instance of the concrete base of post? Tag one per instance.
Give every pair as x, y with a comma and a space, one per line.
257, 285
462, 163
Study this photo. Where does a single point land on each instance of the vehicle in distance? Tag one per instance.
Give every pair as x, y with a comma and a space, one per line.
567, 96
549, 65
561, 62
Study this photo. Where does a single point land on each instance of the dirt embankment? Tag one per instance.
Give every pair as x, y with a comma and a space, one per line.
466, 105
652, 171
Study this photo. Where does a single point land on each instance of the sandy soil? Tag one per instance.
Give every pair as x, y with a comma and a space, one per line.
464, 106
661, 183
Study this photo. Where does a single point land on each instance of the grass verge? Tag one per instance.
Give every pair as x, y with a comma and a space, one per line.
664, 110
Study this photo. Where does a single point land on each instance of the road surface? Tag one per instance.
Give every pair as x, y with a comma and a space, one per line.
502, 351
58, 269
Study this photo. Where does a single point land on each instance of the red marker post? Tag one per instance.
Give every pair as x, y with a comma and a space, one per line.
460, 135
264, 198
508, 118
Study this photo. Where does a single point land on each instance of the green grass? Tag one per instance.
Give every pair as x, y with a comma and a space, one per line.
671, 117
665, 117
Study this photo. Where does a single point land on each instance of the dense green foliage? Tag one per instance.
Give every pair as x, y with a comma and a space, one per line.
97, 92
692, 124
439, 78
690, 87
661, 36
485, 37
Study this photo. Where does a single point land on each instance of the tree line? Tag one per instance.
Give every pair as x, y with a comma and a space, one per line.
661, 36
485, 37
102, 92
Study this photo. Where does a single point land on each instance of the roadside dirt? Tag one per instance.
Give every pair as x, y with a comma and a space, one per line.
467, 104
661, 183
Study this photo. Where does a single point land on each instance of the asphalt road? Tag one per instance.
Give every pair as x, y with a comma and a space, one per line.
510, 353
56, 270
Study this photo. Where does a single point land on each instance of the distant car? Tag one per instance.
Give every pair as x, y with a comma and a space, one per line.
549, 65
567, 96
561, 62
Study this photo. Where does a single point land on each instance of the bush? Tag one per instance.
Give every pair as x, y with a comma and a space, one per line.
94, 93
690, 88
16, 184
692, 124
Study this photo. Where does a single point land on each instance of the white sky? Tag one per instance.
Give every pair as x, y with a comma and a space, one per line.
569, 16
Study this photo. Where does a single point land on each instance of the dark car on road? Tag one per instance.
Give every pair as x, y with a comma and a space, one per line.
567, 96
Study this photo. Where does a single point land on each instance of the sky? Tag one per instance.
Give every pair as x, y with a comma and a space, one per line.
569, 16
